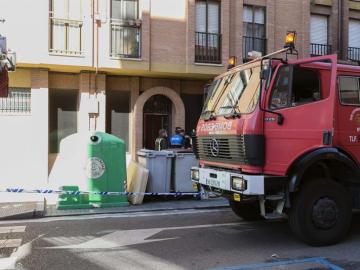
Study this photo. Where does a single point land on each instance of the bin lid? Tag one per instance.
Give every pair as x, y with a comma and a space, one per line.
99, 137
153, 153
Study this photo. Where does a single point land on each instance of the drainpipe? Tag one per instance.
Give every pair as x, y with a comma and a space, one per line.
340, 27
93, 31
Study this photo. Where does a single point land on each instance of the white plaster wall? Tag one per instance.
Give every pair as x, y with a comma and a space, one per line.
27, 32
24, 149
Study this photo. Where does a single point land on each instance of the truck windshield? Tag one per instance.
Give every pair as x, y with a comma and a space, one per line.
237, 92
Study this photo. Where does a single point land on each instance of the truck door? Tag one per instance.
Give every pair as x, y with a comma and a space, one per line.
348, 114
300, 92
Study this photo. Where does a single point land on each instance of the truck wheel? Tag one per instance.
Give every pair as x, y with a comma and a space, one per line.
247, 211
321, 212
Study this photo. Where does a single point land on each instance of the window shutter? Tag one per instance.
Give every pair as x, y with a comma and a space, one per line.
129, 9
116, 9
75, 10
213, 17
319, 29
259, 15
59, 9
200, 17
247, 15
354, 33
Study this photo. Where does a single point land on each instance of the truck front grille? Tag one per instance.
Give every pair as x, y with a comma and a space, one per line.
236, 149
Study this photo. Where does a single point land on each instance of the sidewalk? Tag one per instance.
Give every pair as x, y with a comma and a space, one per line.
21, 210
24, 210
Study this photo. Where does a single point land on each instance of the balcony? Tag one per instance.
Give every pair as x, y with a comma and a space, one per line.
319, 49
354, 54
253, 44
18, 102
207, 48
65, 36
125, 39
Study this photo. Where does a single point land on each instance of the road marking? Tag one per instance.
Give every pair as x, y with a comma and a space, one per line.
13, 229
7, 263
15, 244
257, 266
122, 238
10, 243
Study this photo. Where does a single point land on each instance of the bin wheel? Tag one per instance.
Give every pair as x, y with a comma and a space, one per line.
321, 212
249, 211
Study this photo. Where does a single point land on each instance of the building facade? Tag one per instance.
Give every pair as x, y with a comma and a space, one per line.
131, 67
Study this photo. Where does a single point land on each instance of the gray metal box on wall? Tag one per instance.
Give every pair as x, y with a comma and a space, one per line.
159, 165
183, 162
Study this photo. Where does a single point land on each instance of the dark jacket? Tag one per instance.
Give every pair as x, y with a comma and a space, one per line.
161, 143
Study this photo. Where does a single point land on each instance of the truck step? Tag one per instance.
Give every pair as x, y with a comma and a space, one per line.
274, 197
274, 216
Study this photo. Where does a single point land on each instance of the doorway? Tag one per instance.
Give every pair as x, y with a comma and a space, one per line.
157, 115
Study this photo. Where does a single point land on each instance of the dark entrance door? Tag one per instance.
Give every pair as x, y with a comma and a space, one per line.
157, 115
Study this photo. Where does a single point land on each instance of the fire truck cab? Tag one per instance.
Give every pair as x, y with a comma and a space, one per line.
281, 137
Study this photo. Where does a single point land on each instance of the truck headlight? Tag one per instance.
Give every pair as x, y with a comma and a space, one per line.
195, 175
238, 183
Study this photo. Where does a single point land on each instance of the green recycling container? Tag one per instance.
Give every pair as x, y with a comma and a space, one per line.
106, 169
66, 202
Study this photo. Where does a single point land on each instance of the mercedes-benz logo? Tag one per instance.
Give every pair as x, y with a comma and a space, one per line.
214, 147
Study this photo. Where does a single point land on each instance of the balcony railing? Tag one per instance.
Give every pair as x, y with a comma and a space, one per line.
18, 101
319, 49
125, 39
65, 36
207, 48
253, 44
354, 54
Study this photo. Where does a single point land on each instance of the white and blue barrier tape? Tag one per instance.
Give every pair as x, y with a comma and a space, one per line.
103, 193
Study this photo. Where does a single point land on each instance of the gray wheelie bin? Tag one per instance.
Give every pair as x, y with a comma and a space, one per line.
159, 165
183, 161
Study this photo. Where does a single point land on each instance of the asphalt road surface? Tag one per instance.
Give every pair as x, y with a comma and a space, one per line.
187, 239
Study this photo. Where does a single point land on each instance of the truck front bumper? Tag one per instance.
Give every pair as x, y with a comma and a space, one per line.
228, 181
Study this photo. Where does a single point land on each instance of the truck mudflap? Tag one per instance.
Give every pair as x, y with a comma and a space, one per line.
250, 185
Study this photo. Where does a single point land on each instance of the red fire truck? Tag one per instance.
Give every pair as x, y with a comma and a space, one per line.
281, 138
7, 63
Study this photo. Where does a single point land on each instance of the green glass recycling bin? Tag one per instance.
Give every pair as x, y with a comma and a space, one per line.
106, 170
69, 201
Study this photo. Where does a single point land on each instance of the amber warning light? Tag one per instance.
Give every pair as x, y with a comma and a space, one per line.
290, 40
231, 62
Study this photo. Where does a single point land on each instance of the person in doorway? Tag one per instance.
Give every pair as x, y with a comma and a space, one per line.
178, 139
161, 142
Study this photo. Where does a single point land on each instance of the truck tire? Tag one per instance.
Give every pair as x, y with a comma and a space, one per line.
321, 212
249, 211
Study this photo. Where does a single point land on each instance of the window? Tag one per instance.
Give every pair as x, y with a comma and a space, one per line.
62, 116
254, 30
319, 35
305, 87
117, 114
66, 27
354, 40
125, 29
18, 101
207, 36
349, 90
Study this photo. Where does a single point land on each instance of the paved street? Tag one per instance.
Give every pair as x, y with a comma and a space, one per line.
183, 239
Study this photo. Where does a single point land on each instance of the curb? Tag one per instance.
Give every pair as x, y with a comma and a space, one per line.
102, 211
37, 212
